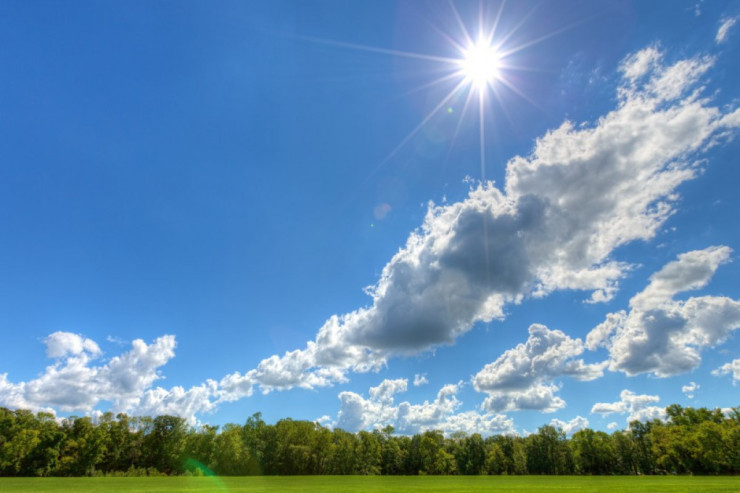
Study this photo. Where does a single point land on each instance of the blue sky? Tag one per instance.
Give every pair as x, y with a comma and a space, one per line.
293, 208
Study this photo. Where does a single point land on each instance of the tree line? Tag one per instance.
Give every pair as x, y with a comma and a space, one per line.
690, 441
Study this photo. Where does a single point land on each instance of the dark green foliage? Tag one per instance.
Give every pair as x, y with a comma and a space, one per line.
691, 441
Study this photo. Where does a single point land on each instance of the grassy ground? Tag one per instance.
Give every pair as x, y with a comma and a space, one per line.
428, 484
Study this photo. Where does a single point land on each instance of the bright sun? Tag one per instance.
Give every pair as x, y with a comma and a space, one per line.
480, 64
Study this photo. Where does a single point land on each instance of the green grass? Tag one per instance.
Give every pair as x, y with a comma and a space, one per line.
426, 484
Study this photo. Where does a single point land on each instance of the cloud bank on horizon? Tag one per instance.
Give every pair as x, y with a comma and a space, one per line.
583, 191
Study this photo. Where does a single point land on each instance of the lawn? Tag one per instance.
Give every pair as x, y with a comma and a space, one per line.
426, 484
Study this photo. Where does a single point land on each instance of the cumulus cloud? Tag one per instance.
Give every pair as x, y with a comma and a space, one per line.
61, 344
639, 407
582, 192
569, 427
75, 383
612, 426
724, 29
664, 336
731, 368
520, 378
380, 410
689, 389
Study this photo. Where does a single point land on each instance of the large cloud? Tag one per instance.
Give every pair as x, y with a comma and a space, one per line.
521, 377
662, 335
74, 383
583, 191
379, 410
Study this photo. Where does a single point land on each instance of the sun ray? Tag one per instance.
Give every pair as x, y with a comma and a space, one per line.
492, 33
545, 37
373, 49
522, 21
468, 40
521, 94
433, 83
460, 120
481, 120
421, 124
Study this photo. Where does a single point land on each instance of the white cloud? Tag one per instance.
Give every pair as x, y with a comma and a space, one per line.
664, 336
74, 383
724, 29
639, 64
638, 406
583, 191
420, 379
519, 378
612, 426
380, 410
61, 344
569, 427
538, 397
690, 389
731, 368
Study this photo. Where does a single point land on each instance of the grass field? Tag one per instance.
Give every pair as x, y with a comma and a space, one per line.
426, 484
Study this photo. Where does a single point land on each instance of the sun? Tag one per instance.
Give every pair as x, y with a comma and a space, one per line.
477, 78
480, 64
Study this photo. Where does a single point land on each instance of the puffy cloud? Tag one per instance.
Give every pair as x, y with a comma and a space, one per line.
612, 426
582, 192
518, 378
420, 379
538, 397
178, 401
731, 368
690, 389
61, 344
664, 336
639, 64
569, 427
379, 410
357, 413
638, 406
474, 422
724, 29
74, 383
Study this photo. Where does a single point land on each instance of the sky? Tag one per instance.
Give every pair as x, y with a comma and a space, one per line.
466, 216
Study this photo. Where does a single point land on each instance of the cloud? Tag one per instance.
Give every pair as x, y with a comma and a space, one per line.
664, 336
380, 410
61, 344
582, 192
420, 379
639, 64
519, 378
612, 426
569, 427
724, 29
731, 368
690, 389
638, 406
74, 383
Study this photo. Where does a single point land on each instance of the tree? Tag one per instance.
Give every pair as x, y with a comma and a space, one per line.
165, 443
